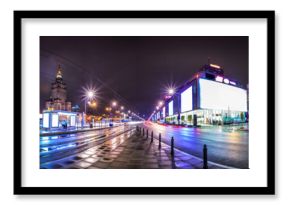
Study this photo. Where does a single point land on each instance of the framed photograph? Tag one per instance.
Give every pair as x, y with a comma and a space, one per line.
144, 102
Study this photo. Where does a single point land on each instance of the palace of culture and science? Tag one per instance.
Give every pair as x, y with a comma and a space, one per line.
58, 97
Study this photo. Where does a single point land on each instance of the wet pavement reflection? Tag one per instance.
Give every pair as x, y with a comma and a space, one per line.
227, 145
122, 148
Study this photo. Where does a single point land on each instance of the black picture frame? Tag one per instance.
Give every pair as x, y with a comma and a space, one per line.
269, 189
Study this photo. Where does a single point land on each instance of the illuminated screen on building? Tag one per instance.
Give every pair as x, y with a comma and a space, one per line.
72, 120
45, 122
220, 96
54, 120
186, 100
163, 111
170, 108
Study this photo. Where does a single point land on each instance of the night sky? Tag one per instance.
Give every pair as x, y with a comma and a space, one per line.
135, 70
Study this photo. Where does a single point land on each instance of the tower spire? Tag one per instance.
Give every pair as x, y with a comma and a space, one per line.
58, 73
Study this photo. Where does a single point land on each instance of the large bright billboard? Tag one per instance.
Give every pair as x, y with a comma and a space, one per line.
186, 100
54, 120
170, 108
45, 120
220, 96
72, 120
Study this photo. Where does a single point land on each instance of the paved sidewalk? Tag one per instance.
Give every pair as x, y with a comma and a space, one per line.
131, 151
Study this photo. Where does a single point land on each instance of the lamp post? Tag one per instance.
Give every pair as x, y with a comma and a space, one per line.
89, 95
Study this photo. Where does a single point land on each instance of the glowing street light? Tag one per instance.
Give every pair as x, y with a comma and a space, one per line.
122, 107
94, 104
160, 103
108, 109
114, 103
90, 95
170, 91
157, 108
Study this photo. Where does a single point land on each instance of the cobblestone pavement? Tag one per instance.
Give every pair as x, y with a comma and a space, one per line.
131, 150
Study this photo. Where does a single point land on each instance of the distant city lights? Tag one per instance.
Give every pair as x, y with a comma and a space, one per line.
219, 79
108, 109
114, 103
226, 81
233, 83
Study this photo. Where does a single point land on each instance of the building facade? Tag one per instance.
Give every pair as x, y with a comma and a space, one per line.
208, 97
58, 97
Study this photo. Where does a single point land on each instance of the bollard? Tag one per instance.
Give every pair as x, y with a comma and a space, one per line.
143, 132
205, 157
146, 134
172, 146
159, 141
151, 136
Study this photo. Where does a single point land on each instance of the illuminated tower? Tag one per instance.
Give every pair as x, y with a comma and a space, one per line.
58, 97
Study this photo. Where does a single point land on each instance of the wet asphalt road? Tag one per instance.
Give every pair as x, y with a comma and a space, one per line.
227, 145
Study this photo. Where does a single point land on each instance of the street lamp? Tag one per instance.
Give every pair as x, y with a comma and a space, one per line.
94, 104
90, 94
170, 91
114, 103
122, 107
160, 103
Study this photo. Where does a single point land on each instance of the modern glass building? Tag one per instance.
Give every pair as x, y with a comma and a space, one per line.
208, 97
